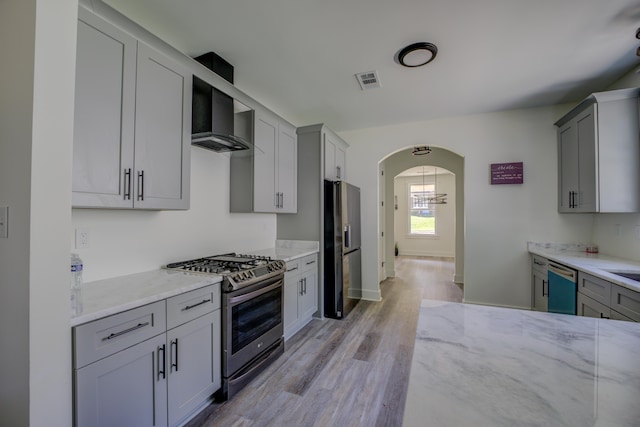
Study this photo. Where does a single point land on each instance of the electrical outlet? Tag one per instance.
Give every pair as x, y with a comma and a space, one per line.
82, 238
4, 222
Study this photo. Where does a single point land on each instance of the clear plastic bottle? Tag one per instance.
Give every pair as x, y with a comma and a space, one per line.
76, 285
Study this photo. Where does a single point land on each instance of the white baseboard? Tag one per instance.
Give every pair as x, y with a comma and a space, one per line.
371, 295
428, 254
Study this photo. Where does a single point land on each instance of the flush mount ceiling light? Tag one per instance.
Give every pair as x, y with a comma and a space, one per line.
420, 151
417, 54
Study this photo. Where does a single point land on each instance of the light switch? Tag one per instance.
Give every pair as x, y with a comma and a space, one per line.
4, 222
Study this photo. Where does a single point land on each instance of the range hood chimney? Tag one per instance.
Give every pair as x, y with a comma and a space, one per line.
212, 110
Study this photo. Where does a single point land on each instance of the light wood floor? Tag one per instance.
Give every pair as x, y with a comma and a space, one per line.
351, 372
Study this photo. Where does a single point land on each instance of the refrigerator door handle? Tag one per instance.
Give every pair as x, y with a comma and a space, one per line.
347, 236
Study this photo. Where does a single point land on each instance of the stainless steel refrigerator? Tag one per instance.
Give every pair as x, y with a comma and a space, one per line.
342, 254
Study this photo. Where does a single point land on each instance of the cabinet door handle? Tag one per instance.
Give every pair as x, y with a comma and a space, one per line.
189, 307
126, 331
174, 355
292, 269
338, 171
127, 184
543, 283
305, 285
162, 349
311, 262
141, 185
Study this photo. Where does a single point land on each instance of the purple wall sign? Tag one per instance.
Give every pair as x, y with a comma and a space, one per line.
507, 173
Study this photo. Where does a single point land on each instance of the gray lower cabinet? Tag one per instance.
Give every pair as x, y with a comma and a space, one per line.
132, 124
193, 352
154, 365
600, 298
300, 293
589, 307
125, 389
539, 283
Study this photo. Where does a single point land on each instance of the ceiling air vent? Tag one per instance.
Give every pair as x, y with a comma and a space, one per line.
368, 80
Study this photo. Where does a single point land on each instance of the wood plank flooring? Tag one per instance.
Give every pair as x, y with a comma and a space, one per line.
351, 372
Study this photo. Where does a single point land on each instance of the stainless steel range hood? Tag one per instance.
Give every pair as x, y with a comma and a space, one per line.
212, 110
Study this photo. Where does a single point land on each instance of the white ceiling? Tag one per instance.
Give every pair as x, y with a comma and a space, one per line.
299, 57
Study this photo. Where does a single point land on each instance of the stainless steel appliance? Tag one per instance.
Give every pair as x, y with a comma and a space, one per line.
342, 254
563, 288
252, 322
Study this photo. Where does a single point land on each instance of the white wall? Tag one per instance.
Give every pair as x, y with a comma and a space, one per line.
499, 219
443, 243
127, 241
622, 243
37, 43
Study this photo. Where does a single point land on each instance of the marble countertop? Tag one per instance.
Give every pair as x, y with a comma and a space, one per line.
110, 296
288, 250
598, 265
477, 365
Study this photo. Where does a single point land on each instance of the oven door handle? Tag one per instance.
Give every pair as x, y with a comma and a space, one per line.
250, 295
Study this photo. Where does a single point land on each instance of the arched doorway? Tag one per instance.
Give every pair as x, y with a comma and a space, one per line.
393, 165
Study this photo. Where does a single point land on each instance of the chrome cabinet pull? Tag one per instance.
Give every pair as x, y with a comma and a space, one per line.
189, 307
127, 184
338, 171
141, 185
126, 331
304, 281
311, 262
292, 269
162, 349
174, 359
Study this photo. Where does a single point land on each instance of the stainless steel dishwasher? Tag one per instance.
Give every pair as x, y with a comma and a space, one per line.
563, 287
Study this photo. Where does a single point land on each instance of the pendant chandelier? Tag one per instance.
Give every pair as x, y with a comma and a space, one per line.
437, 198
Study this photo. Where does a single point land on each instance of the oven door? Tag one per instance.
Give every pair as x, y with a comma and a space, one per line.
252, 322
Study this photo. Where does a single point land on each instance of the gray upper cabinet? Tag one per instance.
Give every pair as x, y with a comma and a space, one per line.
132, 122
265, 178
599, 154
335, 152
104, 114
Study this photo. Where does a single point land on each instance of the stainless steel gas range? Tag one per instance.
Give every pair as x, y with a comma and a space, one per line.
252, 309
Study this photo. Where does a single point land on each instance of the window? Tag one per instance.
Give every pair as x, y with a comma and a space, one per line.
422, 214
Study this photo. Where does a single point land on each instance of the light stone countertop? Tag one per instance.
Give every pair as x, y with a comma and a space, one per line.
288, 250
478, 365
598, 265
110, 296
103, 298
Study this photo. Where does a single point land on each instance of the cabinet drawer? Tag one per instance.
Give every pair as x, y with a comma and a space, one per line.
101, 338
191, 305
594, 287
308, 263
626, 302
293, 267
539, 264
